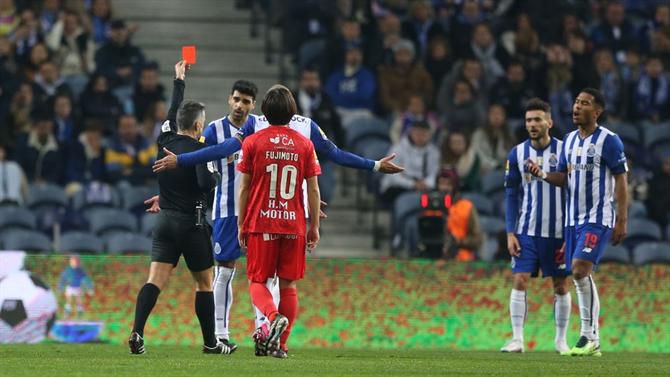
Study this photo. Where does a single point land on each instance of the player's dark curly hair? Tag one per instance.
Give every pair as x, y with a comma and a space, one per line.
597, 95
245, 87
279, 105
538, 104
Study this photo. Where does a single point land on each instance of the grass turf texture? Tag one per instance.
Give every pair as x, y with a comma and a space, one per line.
102, 359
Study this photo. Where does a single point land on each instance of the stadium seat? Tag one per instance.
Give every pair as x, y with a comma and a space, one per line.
85, 199
148, 222
49, 204
26, 240
80, 242
616, 254
374, 148
128, 243
641, 230
637, 210
657, 139
405, 208
16, 217
493, 182
491, 225
106, 220
651, 252
489, 249
484, 205
134, 197
366, 128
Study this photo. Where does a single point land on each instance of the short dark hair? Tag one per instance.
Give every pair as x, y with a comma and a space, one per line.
598, 97
279, 105
188, 113
538, 104
245, 87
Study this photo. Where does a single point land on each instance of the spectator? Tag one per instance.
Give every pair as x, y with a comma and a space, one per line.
483, 46
528, 51
513, 91
49, 14
610, 84
420, 27
463, 235
404, 77
416, 112
352, 87
389, 35
653, 26
130, 155
64, 120
101, 18
118, 58
660, 44
652, 92
48, 83
86, 157
470, 70
493, 141
308, 21
558, 78
27, 34
457, 153
73, 46
38, 153
438, 59
581, 63
420, 159
148, 90
39, 55
615, 33
463, 111
13, 183
337, 46
8, 17
658, 202
153, 120
315, 103
98, 102
8, 63
462, 25
20, 113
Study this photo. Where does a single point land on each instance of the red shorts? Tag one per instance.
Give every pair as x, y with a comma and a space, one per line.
267, 254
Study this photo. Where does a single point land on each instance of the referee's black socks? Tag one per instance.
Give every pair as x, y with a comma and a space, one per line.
204, 309
146, 300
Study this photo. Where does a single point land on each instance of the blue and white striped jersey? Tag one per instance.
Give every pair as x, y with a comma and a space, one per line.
591, 164
541, 212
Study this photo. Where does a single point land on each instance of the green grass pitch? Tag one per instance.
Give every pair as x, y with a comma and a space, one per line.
114, 360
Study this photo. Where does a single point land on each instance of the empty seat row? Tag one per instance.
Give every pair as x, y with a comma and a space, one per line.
76, 242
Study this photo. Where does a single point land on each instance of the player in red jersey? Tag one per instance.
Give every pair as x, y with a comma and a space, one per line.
272, 221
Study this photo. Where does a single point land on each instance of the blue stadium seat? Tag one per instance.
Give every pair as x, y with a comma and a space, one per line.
641, 230
80, 242
493, 182
128, 243
107, 220
16, 217
148, 222
134, 197
651, 252
26, 240
374, 148
637, 210
49, 204
365, 128
616, 254
484, 205
657, 139
105, 197
405, 209
491, 225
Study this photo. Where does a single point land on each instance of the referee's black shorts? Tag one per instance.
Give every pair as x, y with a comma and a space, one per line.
176, 234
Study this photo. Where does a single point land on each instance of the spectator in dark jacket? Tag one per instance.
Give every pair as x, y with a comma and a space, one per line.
652, 93
420, 27
658, 201
39, 154
65, 124
98, 102
615, 33
86, 156
148, 90
512, 91
118, 58
48, 83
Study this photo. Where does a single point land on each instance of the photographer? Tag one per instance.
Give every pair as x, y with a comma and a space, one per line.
181, 227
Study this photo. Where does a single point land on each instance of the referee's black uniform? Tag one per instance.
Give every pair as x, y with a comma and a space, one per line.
181, 190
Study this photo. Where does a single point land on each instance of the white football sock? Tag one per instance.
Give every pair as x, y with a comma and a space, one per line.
223, 300
518, 309
589, 307
562, 307
273, 287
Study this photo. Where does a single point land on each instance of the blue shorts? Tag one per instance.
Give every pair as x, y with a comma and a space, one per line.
586, 242
224, 237
540, 253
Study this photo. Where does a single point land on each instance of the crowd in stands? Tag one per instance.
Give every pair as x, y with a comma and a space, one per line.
450, 79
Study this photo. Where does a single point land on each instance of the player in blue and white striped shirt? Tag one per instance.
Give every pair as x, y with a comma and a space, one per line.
593, 166
535, 226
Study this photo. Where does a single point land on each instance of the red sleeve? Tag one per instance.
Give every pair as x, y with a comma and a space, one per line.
246, 165
312, 167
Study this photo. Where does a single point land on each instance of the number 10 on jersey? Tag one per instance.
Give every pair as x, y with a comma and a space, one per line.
288, 180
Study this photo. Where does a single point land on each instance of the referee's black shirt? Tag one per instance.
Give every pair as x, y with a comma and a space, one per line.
182, 187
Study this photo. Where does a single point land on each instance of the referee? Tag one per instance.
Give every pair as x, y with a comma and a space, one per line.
181, 227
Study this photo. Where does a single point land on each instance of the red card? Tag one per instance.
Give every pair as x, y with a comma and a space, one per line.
188, 54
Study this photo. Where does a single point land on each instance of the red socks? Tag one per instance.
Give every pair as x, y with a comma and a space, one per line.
262, 299
288, 306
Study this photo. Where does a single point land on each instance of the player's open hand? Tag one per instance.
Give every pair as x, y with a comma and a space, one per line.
513, 245
312, 239
386, 165
153, 204
533, 168
619, 231
166, 163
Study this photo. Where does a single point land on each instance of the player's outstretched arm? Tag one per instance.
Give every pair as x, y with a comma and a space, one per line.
201, 156
555, 178
314, 202
621, 192
352, 160
242, 200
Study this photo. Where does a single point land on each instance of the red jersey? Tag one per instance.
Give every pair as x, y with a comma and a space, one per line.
278, 159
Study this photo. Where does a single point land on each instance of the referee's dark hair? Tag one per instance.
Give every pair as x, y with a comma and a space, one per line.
245, 87
597, 95
188, 113
279, 105
538, 104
